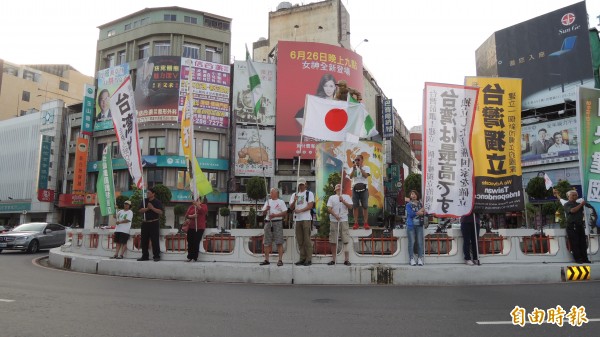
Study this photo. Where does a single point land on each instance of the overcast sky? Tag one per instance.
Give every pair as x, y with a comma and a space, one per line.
410, 42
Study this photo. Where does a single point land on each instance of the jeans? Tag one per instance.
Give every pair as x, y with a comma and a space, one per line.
417, 231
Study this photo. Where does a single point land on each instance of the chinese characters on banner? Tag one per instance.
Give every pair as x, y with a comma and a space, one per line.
109, 80
388, 119
588, 111
253, 155
157, 88
44, 171
497, 145
242, 96
81, 156
447, 163
87, 115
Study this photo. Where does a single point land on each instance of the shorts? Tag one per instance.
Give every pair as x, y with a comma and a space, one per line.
275, 235
121, 237
361, 199
333, 232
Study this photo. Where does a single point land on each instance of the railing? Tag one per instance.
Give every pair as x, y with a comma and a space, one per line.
219, 243
438, 244
535, 244
491, 244
377, 245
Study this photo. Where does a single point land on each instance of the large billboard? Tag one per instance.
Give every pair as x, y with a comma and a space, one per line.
551, 53
109, 80
254, 155
549, 142
157, 88
308, 68
242, 96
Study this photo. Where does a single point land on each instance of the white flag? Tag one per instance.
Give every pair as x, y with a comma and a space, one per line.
547, 181
334, 120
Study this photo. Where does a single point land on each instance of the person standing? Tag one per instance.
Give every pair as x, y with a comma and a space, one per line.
196, 214
151, 225
337, 206
469, 228
576, 227
274, 209
301, 203
414, 227
124, 218
360, 192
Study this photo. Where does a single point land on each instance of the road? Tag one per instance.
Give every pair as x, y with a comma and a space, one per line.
39, 301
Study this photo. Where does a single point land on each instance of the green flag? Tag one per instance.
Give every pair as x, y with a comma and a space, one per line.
105, 186
368, 129
255, 87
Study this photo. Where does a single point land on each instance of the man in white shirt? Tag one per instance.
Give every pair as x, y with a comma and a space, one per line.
124, 218
558, 143
337, 206
274, 210
360, 193
301, 203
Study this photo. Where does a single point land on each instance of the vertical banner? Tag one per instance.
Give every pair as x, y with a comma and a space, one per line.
87, 115
44, 170
81, 156
126, 128
388, 119
242, 95
588, 111
105, 186
109, 80
497, 145
448, 162
253, 156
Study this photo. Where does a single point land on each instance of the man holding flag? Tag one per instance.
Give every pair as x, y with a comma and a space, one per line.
151, 210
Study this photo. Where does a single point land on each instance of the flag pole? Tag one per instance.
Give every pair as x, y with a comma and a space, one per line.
476, 239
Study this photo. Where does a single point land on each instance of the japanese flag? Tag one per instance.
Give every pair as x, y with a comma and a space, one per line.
333, 120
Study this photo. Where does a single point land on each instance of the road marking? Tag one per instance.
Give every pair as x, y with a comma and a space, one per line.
511, 323
3, 300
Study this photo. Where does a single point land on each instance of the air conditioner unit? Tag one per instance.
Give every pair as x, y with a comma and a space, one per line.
219, 50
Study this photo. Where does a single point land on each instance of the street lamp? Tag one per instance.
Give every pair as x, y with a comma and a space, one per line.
358, 45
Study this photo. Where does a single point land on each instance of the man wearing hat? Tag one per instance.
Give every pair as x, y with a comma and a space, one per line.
151, 210
124, 218
301, 203
337, 206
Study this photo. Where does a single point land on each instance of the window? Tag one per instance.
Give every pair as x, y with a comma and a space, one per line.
212, 177
191, 51
121, 57
157, 146
189, 19
216, 23
144, 51
183, 180
25, 96
128, 26
116, 151
210, 148
181, 147
64, 86
417, 142
99, 151
170, 17
288, 187
144, 21
240, 185
213, 55
111, 33
154, 176
136, 24
162, 48
109, 61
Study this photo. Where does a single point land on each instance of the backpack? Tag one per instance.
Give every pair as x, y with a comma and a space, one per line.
313, 210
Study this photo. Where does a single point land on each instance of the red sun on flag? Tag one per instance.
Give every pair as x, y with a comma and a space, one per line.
336, 119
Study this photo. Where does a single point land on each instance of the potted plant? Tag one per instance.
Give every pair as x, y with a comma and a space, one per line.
321, 243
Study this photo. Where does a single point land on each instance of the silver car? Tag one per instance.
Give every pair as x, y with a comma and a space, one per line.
32, 237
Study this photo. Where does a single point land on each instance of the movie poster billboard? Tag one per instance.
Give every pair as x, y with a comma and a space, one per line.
109, 80
157, 88
551, 53
549, 142
254, 156
337, 157
308, 68
242, 96
495, 145
588, 110
210, 83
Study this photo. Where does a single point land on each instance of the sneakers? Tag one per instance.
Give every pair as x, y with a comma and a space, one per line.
412, 261
355, 226
143, 259
469, 263
299, 263
419, 261
367, 227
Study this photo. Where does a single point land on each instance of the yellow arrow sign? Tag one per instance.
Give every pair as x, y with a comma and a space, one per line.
578, 273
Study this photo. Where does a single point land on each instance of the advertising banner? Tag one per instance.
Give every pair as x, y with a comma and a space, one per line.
81, 156
388, 119
333, 157
87, 113
308, 68
495, 144
44, 195
210, 91
588, 110
447, 159
242, 96
157, 89
254, 157
109, 80
105, 186
549, 142
44, 170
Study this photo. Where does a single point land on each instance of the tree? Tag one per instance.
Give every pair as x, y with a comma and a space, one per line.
256, 190
163, 193
329, 190
536, 188
179, 210
563, 186
120, 201
413, 182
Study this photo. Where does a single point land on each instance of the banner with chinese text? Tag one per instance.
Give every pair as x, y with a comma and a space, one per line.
254, 156
81, 156
242, 96
588, 110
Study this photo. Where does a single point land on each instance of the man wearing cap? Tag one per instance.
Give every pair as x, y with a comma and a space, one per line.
360, 193
150, 225
274, 210
124, 218
337, 206
301, 203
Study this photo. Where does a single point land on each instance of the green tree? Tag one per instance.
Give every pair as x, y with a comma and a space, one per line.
163, 193
563, 186
256, 190
120, 201
179, 210
329, 190
412, 182
536, 188
136, 201
252, 217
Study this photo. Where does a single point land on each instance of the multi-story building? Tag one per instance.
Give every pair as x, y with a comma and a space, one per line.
24, 88
416, 143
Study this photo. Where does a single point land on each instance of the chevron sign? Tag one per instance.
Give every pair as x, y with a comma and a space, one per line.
578, 273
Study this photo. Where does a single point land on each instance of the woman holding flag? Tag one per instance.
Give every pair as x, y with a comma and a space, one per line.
196, 223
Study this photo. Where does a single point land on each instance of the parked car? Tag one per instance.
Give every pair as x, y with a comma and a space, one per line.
4, 229
32, 237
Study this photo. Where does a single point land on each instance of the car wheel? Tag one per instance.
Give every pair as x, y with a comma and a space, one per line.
34, 247
0, 250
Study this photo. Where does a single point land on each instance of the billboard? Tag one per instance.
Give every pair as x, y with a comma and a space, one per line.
242, 97
551, 53
588, 110
549, 142
109, 80
157, 89
254, 154
308, 68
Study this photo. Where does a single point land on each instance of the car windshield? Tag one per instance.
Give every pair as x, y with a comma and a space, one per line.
30, 227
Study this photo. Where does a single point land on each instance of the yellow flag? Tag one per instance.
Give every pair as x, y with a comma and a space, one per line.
199, 184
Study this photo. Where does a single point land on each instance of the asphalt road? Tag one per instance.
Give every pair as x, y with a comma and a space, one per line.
38, 301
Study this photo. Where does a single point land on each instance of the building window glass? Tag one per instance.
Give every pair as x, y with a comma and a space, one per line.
190, 19
144, 51
191, 51
64, 86
183, 180
111, 33
170, 17
181, 147
99, 151
210, 148
213, 55
109, 61
121, 57
25, 96
128, 26
216, 23
212, 177
162, 48
156, 146
116, 151
144, 21
154, 176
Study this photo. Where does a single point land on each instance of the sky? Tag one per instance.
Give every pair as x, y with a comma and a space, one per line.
409, 42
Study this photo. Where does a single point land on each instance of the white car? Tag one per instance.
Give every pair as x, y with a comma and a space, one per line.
32, 237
